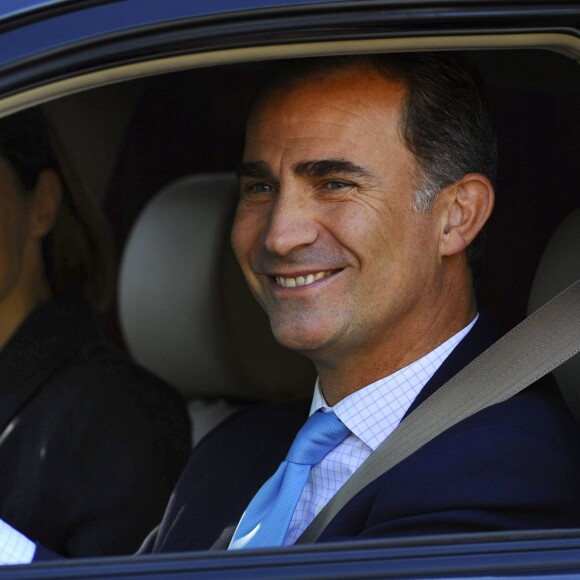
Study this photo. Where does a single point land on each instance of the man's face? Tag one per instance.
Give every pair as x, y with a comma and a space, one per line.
324, 232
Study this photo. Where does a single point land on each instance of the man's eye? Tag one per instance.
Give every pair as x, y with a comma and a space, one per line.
261, 187
257, 188
336, 185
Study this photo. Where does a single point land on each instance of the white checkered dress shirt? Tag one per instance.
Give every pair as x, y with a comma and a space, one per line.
371, 414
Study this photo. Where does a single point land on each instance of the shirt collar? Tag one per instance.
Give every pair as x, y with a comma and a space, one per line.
371, 413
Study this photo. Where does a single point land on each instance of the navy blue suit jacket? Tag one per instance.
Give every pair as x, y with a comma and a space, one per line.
515, 465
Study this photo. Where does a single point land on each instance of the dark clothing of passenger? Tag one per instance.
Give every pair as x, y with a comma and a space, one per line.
91, 445
514, 465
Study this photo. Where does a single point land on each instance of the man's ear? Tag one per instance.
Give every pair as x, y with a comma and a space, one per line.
464, 207
45, 203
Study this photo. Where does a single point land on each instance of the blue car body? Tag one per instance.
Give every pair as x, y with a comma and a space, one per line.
53, 48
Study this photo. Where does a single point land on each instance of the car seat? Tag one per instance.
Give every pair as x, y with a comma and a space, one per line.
186, 313
558, 268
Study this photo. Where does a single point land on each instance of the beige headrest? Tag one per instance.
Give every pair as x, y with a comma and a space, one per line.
185, 310
558, 268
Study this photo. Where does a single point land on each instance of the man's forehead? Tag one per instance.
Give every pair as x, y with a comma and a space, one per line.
308, 127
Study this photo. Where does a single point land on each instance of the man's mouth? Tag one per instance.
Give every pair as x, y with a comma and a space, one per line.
295, 282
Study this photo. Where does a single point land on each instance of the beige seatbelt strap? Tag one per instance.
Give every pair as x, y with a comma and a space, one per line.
536, 346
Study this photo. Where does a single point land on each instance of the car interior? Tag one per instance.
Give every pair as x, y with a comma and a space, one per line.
159, 154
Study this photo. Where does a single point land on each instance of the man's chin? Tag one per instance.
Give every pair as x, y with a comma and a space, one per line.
305, 341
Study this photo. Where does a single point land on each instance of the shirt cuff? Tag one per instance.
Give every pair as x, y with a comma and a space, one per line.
15, 548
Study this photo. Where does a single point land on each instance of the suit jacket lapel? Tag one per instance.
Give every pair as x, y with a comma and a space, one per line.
480, 337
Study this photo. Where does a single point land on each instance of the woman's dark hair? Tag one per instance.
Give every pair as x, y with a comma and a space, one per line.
446, 121
78, 251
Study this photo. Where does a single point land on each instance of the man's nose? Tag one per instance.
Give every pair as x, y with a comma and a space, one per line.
291, 225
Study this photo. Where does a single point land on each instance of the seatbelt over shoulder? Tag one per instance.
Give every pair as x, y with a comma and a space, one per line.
536, 346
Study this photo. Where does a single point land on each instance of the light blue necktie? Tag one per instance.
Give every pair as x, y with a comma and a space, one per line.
265, 521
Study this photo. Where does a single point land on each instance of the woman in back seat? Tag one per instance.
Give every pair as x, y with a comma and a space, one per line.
91, 445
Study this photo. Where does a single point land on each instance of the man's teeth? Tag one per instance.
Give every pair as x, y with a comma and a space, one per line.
300, 280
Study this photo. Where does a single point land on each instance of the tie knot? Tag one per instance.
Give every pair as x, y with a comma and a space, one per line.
318, 436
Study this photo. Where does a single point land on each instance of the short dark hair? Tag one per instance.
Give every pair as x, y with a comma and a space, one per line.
78, 252
446, 122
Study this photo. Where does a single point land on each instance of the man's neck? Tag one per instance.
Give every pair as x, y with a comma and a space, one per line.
343, 376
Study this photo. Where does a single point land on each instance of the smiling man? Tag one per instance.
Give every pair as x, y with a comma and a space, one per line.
365, 184
327, 237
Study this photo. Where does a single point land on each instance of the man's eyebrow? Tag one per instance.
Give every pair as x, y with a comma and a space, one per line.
326, 167
255, 169
312, 168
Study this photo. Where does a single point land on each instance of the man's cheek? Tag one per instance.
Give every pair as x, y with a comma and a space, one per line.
239, 245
